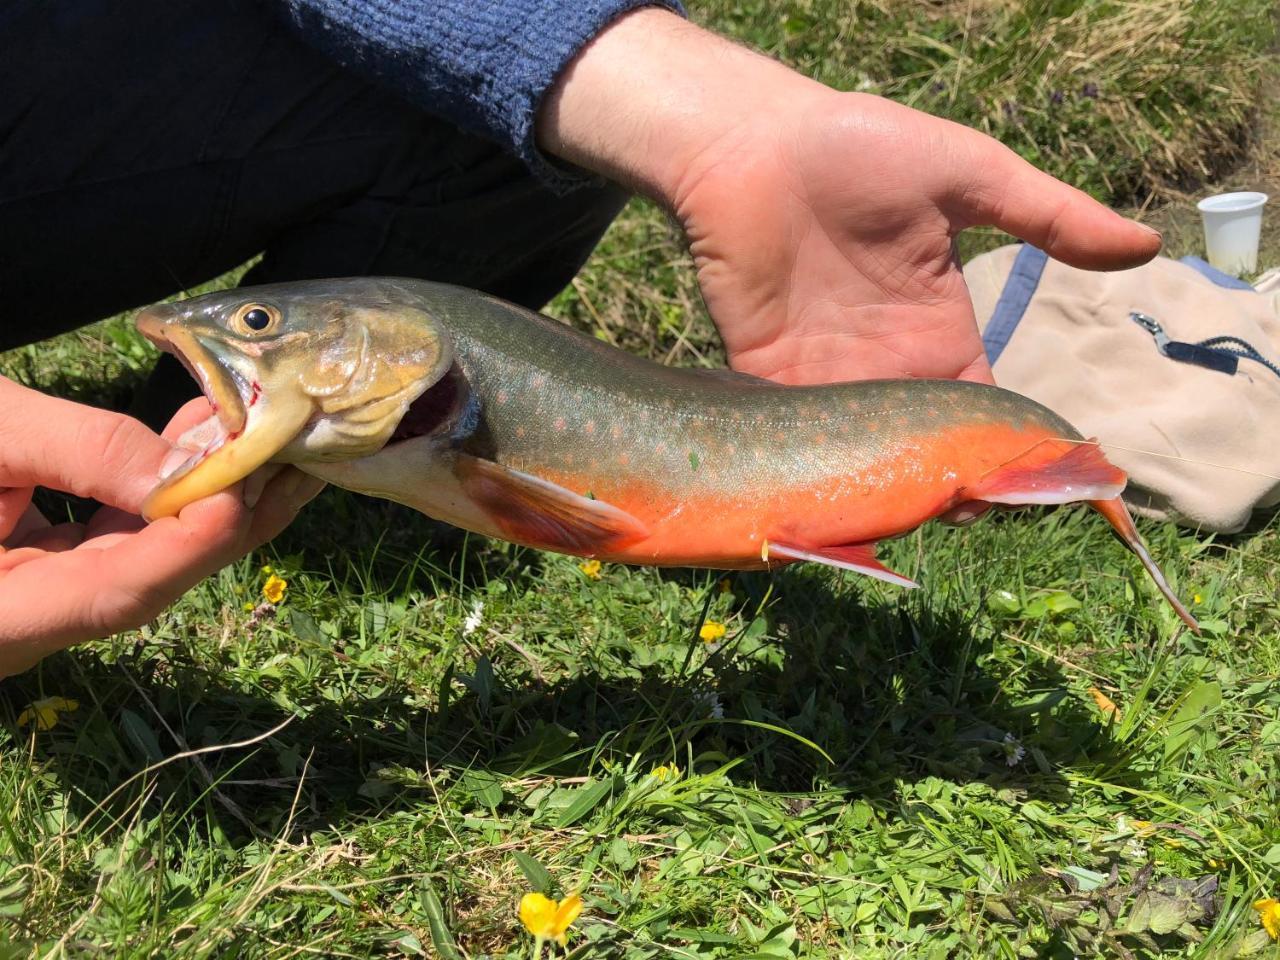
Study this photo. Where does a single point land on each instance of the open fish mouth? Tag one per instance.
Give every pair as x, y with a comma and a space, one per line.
239, 435
230, 397
316, 387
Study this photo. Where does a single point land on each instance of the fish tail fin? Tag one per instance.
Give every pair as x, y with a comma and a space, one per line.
1117, 515
1082, 473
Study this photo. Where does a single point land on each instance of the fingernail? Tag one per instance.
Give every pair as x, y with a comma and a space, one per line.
289, 483
176, 458
1151, 230
254, 484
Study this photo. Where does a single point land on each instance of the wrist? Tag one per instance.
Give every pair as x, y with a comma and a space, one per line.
653, 101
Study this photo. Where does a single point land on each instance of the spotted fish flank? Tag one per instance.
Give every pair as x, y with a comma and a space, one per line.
509, 424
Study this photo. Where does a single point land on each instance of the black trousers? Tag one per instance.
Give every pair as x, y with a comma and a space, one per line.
146, 147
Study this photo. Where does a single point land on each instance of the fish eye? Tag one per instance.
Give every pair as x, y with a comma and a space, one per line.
255, 318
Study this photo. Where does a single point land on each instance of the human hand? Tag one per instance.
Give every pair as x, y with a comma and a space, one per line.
822, 223
63, 583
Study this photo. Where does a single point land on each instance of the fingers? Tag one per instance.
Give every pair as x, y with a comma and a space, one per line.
188, 415
13, 507
978, 371
256, 483
57, 599
1069, 225
78, 449
284, 495
109, 520
125, 574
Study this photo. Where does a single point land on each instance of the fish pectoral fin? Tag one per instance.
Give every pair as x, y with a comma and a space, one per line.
858, 557
1082, 473
542, 514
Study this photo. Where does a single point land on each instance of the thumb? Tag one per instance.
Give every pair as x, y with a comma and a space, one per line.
1064, 222
78, 449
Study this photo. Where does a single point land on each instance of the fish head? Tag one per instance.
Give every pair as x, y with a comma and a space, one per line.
294, 373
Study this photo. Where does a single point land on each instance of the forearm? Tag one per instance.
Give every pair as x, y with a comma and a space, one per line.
644, 101
484, 65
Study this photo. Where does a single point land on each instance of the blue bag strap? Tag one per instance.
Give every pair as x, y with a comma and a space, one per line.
1019, 287
1216, 275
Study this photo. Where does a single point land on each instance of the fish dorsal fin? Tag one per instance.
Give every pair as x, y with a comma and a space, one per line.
858, 557
541, 514
1082, 473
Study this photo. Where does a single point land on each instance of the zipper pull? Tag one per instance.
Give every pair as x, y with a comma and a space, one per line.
1219, 360
1152, 326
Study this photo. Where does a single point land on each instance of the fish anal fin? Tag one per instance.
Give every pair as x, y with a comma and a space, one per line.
858, 557
1082, 473
542, 514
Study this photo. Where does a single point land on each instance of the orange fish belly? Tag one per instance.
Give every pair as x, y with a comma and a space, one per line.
893, 496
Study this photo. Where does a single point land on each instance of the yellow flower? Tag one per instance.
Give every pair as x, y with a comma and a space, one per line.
1197, 599
591, 568
1105, 703
274, 588
711, 631
548, 920
662, 773
1269, 912
43, 714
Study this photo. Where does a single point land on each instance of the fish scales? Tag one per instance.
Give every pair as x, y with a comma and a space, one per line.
507, 423
550, 400
531, 377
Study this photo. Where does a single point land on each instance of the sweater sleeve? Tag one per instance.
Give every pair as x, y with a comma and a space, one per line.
484, 65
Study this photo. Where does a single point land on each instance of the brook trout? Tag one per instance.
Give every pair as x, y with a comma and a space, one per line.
509, 424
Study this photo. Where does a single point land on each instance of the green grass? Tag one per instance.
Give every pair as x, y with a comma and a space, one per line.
846, 788
1116, 98
431, 725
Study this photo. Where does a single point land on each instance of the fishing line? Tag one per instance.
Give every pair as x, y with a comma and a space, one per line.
1038, 443
1169, 456
1094, 442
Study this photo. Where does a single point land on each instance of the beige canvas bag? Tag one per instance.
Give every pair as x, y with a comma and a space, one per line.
1194, 426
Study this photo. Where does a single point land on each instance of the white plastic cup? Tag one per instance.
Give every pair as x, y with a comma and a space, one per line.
1232, 228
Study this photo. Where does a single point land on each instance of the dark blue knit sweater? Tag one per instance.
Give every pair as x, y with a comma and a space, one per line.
482, 64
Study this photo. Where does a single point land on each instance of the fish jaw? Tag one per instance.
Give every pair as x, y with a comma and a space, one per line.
250, 424
217, 382
210, 460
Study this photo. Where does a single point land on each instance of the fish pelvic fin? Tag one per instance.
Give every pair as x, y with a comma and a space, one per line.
536, 512
1117, 515
1082, 473
858, 557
